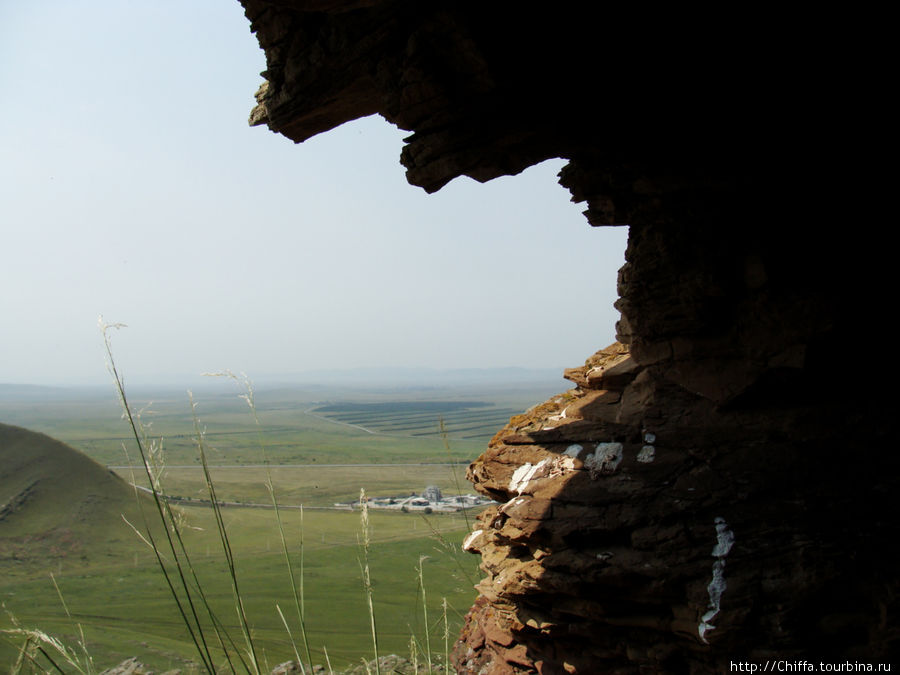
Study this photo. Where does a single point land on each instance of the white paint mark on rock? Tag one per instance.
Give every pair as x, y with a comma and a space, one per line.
724, 539
558, 417
523, 475
467, 544
573, 450
649, 438
646, 454
716, 587
604, 460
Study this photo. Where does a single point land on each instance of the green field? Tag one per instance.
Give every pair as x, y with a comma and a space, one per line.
311, 485
298, 426
318, 448
126, 610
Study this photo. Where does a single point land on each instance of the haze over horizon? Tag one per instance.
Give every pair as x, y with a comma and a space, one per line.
131, 187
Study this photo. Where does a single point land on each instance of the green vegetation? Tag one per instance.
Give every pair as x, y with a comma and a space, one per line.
61, 512
294, 431
310, 485
292, 435
116, 594
126, 611
114, 590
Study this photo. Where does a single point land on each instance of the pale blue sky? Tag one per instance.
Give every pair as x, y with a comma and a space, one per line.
132, 187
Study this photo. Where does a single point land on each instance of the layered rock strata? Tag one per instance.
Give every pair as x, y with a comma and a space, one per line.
644, 529
719, 484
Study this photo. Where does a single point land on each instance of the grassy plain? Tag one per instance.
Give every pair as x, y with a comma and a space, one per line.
320, 450
126, 610
312, 485
294, 432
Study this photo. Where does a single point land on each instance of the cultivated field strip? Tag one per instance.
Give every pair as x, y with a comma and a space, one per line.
421, 418
418, 418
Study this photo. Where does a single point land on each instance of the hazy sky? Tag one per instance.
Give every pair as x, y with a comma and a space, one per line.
132, 187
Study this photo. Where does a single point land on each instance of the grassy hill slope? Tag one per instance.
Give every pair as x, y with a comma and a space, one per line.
55, 502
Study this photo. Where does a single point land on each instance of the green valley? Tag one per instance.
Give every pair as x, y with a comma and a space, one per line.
61, 508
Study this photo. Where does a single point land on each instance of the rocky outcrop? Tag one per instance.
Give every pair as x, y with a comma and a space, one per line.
642, 525
719, 484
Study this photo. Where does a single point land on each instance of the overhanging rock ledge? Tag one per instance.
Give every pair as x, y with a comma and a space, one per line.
720, 483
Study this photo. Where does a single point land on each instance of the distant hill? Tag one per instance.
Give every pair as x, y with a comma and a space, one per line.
56, 502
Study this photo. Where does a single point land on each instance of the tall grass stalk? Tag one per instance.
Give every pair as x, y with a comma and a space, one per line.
186, 607
446, 636
297, 594
420, 576
364, 566
302, 596
150, 451
291, 638
445, 438
200, 436
327, 660
414, 654
221, 633
39, 644
88, 661
250, 399
182, 581
449, 548
33, 645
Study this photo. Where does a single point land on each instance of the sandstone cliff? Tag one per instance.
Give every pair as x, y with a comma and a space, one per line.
719, 484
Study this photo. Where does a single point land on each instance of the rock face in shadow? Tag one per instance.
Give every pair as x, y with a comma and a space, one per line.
719, 484
642, 525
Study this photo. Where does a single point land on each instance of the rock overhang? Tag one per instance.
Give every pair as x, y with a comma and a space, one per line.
693, 133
